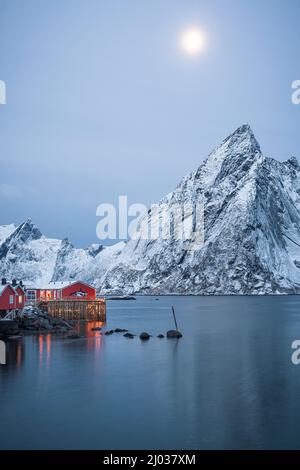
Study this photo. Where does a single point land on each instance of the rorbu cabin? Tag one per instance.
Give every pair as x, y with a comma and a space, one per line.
69, 300
12, 296
61, 290
7, 298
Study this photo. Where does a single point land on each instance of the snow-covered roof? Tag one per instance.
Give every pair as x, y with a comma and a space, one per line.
50, 285
3, 287
54, 285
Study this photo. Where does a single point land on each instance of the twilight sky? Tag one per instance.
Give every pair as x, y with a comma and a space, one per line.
101, 101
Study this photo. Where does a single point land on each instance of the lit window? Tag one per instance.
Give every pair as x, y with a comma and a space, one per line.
20, 299
11, 299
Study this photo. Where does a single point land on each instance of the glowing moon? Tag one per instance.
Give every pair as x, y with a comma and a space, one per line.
192, 41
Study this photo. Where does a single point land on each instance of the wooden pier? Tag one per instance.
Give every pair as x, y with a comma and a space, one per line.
79, 309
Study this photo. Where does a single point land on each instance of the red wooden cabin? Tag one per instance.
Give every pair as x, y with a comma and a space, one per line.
12, 295
7, 297
20, 296
61, 290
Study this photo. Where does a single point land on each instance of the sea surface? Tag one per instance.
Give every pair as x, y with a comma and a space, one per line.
228, 383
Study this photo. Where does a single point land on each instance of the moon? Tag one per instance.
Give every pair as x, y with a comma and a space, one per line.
192, 41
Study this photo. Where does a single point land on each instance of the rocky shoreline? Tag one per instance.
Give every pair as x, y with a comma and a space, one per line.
34, 320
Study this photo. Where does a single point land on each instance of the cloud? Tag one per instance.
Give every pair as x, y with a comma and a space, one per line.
13, 192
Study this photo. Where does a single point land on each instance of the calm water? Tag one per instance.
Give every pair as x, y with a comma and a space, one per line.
228, 383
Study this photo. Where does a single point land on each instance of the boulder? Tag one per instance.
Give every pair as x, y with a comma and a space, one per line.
160, 336
174, 334
44, 323
128, 335
144, 336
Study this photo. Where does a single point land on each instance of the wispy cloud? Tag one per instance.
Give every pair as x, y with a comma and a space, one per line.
13, 192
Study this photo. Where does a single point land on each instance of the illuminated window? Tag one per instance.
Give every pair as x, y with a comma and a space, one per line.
42, 295
20, 299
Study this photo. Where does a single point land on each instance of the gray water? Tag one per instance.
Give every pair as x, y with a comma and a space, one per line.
229, 383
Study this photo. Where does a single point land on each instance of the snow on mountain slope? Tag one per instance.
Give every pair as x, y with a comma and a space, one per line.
26, 254
250, 203
251, 232
86, 264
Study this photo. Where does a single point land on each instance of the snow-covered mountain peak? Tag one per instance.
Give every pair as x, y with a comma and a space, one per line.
250, 244
238, 155
27, 231
238, 146
242, 139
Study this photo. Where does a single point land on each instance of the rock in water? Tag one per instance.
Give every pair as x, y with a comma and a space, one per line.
144, 336
128, 335
174, 334
160, 336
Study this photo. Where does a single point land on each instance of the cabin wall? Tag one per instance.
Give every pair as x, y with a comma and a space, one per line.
20, 298
5, 299
70, 291
92, 310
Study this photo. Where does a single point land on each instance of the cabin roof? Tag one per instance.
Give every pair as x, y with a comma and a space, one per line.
5, 286
57, 285
49, 285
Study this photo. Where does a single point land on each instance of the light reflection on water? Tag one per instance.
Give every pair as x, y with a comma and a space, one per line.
228, 383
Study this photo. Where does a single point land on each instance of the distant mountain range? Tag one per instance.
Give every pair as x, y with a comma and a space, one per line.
251, 223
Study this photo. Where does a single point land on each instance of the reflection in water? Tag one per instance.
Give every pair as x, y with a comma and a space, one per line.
228, 383
44, 341
41, 347
48, 347
94, 338
15, 348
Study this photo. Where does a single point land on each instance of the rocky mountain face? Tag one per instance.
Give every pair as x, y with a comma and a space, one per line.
251, 230
251, 203
26, 254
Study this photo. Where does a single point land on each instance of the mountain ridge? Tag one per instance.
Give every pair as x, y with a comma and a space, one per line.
251, 207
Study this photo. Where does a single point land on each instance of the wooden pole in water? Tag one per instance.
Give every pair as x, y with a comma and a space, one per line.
174, 316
